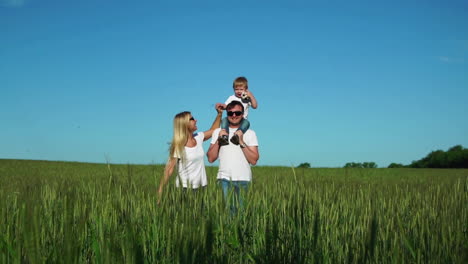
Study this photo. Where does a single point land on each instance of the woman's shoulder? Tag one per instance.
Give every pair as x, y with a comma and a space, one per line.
199, 135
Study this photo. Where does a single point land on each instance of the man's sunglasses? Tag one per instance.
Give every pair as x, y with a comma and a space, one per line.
237, 113
192, 118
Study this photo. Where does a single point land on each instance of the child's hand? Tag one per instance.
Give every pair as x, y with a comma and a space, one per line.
251, 99
246, 96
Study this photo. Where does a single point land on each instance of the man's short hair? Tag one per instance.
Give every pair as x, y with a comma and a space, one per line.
234, 103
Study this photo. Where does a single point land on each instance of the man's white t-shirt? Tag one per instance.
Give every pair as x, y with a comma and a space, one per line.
192, 171
233, 166
235, 98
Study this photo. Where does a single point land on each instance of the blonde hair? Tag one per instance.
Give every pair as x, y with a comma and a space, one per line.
180, 136
240, 81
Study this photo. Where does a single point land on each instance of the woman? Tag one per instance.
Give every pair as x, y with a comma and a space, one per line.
186, 151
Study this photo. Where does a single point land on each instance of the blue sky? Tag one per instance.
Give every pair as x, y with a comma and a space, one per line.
336, 81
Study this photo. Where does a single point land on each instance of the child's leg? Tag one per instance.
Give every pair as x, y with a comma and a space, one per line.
223, 140
225, 124
244, 125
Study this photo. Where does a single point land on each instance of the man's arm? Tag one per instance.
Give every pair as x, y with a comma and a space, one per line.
250, 152
213, 152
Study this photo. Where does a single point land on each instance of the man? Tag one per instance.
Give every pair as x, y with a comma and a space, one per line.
234, 174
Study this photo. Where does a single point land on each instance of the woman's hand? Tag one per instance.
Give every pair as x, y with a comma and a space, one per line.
159, 195
220, 107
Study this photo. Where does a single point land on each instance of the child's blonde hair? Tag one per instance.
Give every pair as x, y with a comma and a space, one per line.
240, 81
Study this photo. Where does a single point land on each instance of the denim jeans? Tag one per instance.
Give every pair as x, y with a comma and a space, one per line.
233, 192
244, 125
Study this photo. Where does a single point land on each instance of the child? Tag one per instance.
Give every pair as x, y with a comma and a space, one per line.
242, 94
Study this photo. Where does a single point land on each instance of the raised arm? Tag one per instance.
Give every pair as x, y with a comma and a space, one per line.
168, 170
253, 100
216, 122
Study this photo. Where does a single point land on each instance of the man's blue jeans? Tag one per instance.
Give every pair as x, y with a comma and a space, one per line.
233, 192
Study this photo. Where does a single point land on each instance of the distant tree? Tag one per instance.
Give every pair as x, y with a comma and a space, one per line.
360, 165
396, 165
304, 165
352, 165
455, 157
456, 148
437, 159
369, 165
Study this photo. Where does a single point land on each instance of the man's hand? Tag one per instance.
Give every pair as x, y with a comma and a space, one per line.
223, 132
241, 136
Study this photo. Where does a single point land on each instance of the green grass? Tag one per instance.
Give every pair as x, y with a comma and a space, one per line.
63, 212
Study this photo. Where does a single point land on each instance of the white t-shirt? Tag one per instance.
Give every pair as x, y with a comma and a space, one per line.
235, 98
192, 171
233, 166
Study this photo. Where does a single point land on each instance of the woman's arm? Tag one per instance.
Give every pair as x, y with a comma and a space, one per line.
168, 170
216, 123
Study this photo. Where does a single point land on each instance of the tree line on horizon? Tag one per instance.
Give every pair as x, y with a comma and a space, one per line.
454, 157
366, 165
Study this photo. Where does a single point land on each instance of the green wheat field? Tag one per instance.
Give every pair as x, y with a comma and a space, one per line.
68, 212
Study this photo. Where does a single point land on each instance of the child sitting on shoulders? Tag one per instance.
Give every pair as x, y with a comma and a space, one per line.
245, 96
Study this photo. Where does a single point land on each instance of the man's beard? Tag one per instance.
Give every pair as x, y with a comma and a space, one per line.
235, 124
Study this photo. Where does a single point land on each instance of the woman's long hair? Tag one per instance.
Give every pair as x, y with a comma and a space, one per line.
180, 136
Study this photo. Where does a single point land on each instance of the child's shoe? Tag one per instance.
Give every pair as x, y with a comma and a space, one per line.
235, 139
223, 140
